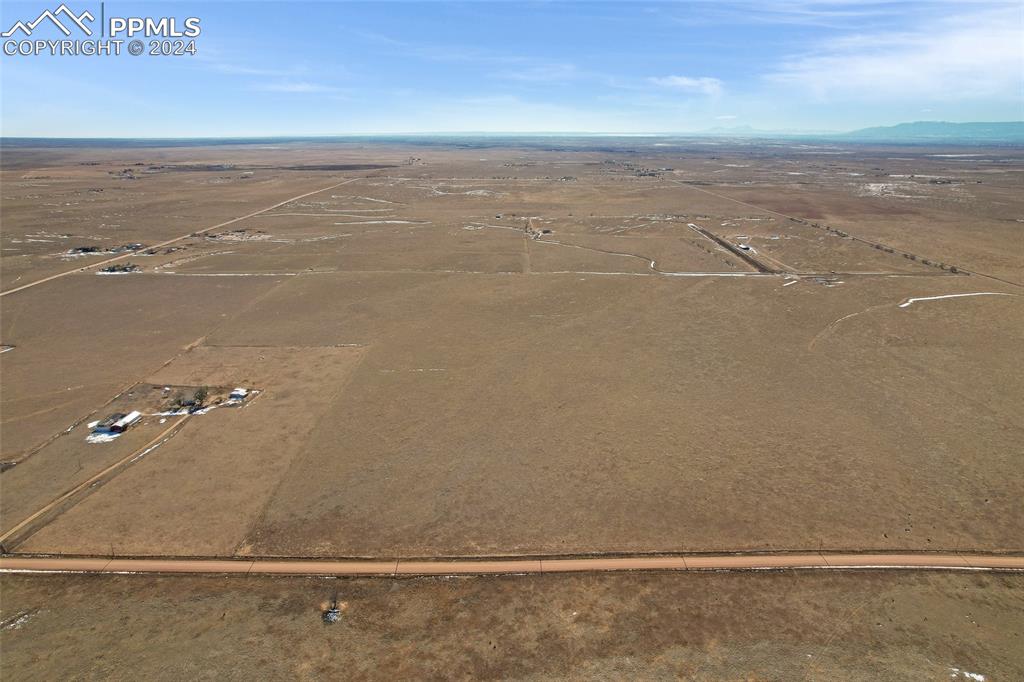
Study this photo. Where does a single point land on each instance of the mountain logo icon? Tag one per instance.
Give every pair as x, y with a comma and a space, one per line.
53, 16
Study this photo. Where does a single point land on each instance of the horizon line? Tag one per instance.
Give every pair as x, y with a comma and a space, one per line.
741, 131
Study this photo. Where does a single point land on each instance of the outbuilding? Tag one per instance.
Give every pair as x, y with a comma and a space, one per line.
122, 424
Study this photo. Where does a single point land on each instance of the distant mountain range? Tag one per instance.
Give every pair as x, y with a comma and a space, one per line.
918, 132
1011, 132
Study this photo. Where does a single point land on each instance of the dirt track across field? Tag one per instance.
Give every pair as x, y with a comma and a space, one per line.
407, 567
791, 217
168, 242
82, 490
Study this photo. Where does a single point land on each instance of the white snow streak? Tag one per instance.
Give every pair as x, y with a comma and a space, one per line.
910, 301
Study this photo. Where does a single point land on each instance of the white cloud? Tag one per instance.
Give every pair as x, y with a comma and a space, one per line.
726, 117
541, 73
500, 113
955, 58
295, 87
237, 70
703, 85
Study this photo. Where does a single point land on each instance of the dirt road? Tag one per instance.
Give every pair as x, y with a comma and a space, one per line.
175, 239
733, 249
858, 239
412, 567
72, 497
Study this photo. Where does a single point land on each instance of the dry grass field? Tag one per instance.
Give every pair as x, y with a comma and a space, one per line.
512, 351
520, 350
768, 626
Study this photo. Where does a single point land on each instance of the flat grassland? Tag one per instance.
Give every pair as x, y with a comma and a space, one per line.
516, 351
856, 626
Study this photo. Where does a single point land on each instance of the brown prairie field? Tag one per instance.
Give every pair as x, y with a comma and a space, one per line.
855, 626
513, 350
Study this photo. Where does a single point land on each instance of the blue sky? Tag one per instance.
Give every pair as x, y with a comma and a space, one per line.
324, 68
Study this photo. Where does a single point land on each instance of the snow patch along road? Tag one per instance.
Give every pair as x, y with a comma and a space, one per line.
910, 301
